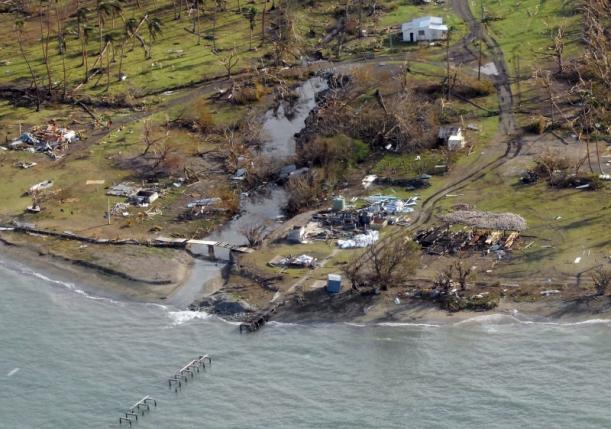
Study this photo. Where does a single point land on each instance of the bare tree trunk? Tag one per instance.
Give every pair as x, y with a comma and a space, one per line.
263, 22
107, 72
448, 64
121, 60
85, 60
34, 80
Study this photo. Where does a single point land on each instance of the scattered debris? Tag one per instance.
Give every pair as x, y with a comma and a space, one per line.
40, 186
550, 292
95, 182
25, 165
120, 209
240, 174
302, 261
359, 240
205, 202
34, 208
577, 260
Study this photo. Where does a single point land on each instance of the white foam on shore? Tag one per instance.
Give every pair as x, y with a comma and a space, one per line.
276, 323
398, 324
13, 372
68, 285
498, 319
182, 317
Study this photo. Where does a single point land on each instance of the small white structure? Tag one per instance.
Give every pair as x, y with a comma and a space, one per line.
425, 28
296, 235
453, 137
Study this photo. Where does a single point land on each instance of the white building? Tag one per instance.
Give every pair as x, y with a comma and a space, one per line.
453, 137
425, 28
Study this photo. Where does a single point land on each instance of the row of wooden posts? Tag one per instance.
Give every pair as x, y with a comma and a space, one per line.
181, 376
142, 406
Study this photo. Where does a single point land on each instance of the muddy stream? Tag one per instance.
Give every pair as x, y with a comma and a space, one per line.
280, 126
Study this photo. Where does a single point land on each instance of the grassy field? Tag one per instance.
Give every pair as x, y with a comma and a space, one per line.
176, 57
562, 224
81, 208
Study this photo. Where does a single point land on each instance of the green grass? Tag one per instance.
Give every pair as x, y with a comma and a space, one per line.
405, 166
526, 28
562, 224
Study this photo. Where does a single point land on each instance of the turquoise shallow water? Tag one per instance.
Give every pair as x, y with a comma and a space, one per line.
83, 360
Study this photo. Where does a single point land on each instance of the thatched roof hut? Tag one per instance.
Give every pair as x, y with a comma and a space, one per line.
486, 220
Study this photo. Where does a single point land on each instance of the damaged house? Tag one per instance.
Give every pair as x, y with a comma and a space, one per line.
482, 231
50, 140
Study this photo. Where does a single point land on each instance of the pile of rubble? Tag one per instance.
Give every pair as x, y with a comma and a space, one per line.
51, 139
354, 227
382, 210
302, 261
443, 241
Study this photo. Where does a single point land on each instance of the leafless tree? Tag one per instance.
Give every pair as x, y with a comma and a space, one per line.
152, 138
392, 262
601, 279
254, 233
229, 61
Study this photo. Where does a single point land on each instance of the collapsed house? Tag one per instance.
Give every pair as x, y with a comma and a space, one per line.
202, 207
51, 140
135, 194
354, 227
482, 231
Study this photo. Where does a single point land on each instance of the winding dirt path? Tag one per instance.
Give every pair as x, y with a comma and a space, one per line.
497, 153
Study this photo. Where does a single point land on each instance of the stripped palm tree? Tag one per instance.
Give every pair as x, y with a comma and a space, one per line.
81, 18
129, 28
104, 9
115, 10
87, 31
19, 30
250, 14
108, 39
154, 27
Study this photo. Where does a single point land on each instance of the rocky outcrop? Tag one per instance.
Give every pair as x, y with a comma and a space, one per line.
224, 305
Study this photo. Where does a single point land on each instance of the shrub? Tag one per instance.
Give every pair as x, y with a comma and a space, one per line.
248, 93
305, 190
537, 126
340, 149
200, 115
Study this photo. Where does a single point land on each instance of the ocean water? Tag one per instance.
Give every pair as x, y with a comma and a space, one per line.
70, 360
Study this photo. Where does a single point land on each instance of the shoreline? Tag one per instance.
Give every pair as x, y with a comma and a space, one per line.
368, 312
93, 280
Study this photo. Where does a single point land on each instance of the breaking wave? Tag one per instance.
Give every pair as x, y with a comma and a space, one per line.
181, 317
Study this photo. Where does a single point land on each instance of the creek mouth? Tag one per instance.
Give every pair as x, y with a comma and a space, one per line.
265, 206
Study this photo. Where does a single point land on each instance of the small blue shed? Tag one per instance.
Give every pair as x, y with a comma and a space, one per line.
334, 283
